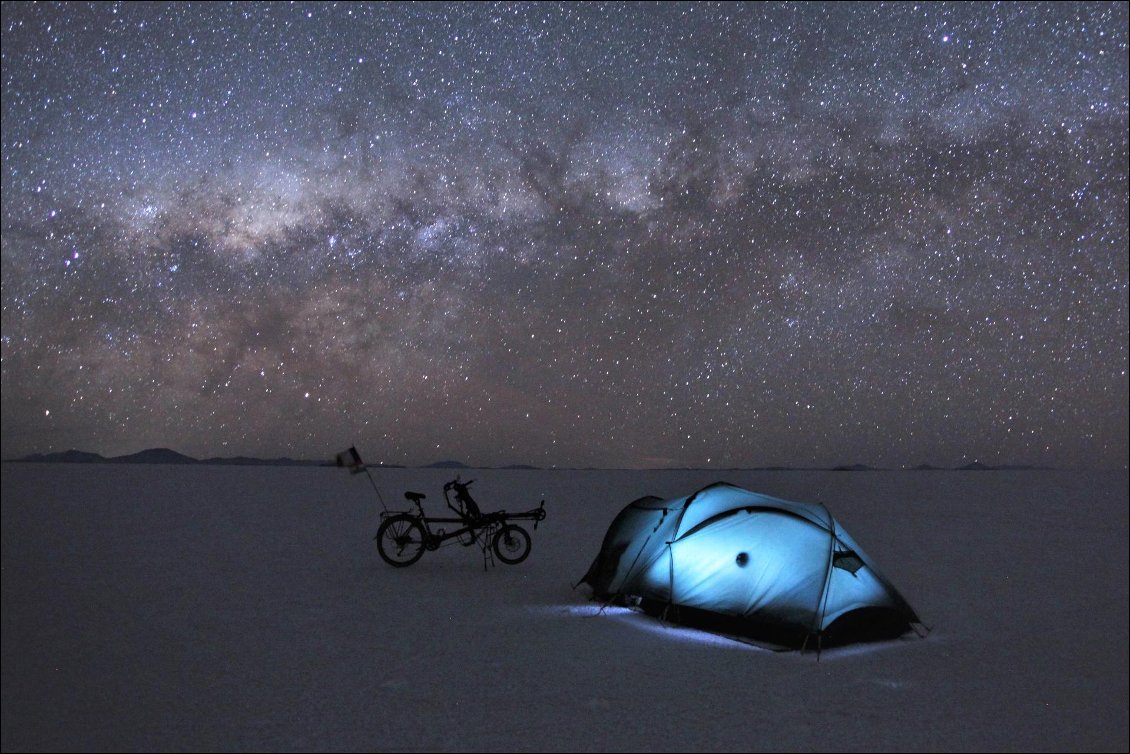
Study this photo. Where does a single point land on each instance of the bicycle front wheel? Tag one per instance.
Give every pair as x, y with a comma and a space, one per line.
400, 540
512, 544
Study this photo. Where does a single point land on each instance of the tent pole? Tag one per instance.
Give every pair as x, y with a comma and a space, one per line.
635, 561
822, 600
670, 580
632, 567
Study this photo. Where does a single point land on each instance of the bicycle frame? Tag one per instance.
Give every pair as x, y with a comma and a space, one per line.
403, 536
435, 539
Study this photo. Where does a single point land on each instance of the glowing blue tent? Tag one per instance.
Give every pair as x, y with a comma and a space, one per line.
740, 562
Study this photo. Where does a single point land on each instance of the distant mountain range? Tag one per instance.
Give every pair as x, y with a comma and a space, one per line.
167, 456
163, 455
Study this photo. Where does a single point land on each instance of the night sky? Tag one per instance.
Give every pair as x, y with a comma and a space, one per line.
577, 235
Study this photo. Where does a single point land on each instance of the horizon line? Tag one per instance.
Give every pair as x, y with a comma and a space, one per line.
175, 457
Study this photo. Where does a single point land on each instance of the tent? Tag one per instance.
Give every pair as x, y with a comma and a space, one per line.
739, 562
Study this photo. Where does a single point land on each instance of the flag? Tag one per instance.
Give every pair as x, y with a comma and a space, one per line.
351, 459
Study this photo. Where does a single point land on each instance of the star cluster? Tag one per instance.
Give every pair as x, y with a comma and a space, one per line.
572, 235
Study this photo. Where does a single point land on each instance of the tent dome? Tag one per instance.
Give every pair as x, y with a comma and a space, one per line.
743, 562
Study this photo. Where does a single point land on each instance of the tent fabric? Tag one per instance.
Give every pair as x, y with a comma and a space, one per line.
731, 552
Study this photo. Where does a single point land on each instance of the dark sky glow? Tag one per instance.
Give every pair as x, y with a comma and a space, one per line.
608, 235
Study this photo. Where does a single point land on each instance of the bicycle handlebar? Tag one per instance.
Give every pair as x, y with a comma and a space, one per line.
457, 483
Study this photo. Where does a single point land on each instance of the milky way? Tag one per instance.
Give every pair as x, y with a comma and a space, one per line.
578, 235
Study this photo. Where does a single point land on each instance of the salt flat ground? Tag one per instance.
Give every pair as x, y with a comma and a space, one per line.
241, 608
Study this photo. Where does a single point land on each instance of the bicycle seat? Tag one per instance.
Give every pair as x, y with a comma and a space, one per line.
415, 497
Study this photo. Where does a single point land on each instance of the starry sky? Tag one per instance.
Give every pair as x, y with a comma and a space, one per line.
623, 235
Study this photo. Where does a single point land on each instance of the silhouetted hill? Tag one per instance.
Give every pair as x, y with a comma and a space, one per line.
155, 455
978, 466
447, 465
237, 461
249, 461
163, 455
67, 456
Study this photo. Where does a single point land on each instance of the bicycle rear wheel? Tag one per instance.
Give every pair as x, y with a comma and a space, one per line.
400, 540
511, 544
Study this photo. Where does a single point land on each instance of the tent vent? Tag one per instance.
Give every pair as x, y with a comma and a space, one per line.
848, 561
